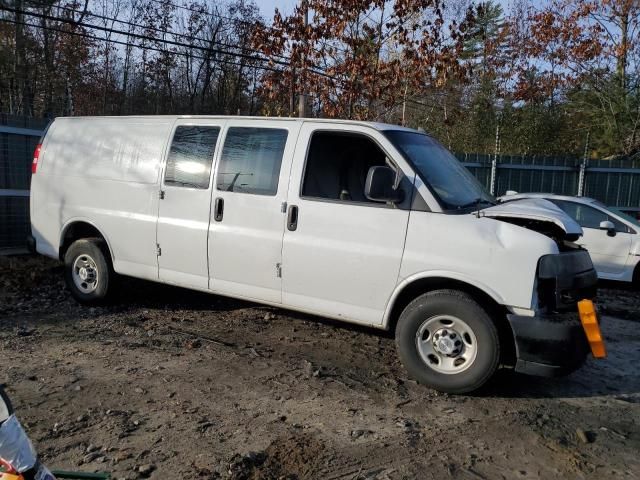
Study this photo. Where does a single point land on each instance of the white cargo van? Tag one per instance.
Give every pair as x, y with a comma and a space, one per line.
367, 223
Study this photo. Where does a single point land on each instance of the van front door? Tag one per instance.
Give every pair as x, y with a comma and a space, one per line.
185, 202
247, 218
341, 251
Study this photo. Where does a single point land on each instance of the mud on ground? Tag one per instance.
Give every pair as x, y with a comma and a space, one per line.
167, 382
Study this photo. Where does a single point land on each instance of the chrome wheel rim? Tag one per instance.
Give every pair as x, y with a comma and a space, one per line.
446, 344
85, 273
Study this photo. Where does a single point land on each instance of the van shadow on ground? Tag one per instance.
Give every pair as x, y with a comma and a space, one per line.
615, 376
38, 286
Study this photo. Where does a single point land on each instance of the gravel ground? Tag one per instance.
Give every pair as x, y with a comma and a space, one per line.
165, 381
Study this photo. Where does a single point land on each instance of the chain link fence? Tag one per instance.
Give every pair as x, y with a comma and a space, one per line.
613, 182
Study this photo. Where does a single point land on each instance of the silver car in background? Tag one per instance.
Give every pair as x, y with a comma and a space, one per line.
611, 236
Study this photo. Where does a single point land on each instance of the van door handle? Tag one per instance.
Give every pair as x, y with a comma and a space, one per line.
292, 218
218, 209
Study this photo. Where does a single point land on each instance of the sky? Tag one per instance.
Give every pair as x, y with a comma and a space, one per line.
268, 6
286, 6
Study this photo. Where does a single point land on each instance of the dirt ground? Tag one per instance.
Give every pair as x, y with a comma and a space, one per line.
164, 382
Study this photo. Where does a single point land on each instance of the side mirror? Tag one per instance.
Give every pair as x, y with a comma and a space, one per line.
381, 185
6, 410
609, 227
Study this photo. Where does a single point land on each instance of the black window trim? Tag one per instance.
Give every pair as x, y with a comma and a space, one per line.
219, 158
214, 159
345, 132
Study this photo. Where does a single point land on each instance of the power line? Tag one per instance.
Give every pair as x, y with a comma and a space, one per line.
315, 68
148, 38
169, 32
188, 9
253, 24
181, 53
127, 44
136, 35
163, 2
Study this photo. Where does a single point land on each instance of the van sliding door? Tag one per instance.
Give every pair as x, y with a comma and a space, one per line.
185, 203
248, 212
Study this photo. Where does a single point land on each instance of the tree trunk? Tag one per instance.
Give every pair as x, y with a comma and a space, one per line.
624, 45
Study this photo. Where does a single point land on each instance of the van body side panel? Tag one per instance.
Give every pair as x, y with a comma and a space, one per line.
104, 171
128, 149
486, 253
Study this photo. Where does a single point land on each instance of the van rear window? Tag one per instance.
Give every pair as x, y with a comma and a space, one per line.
191, 156
251, 160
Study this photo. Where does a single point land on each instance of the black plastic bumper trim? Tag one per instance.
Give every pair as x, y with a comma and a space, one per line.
549, 345
564, 279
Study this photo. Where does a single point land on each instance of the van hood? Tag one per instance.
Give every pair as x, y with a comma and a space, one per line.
529, 212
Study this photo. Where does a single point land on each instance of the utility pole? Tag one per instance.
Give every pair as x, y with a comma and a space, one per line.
583, 166
68, 100
494, 162
404, 105
302, 99
292, 93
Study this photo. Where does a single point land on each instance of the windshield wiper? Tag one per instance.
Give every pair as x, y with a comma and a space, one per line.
475, 203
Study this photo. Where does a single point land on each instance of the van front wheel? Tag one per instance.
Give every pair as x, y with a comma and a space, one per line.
448, 342
88, 270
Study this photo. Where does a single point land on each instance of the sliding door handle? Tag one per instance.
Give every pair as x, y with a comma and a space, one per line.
292, 218
218, 209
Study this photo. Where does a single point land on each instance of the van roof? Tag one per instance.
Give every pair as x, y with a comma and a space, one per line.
376, 125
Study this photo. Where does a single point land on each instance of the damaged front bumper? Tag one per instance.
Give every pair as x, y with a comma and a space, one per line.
553, 341
549, 345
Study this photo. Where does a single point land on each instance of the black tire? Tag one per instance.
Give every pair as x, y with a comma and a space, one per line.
95, 250
636, 278
429, 307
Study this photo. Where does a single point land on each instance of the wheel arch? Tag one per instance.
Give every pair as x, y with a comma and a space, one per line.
491, 301
78, 228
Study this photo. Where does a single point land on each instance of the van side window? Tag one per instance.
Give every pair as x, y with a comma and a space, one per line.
190, 156
251, 159
337, 166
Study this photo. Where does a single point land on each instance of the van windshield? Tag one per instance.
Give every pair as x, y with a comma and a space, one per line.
451, 183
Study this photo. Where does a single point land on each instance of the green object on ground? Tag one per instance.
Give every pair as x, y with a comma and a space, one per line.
81, 475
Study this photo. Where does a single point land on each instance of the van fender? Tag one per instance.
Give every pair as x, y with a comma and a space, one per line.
73, 220
443, 274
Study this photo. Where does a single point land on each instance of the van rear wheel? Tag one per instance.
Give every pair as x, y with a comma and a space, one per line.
88, 270
448, 342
